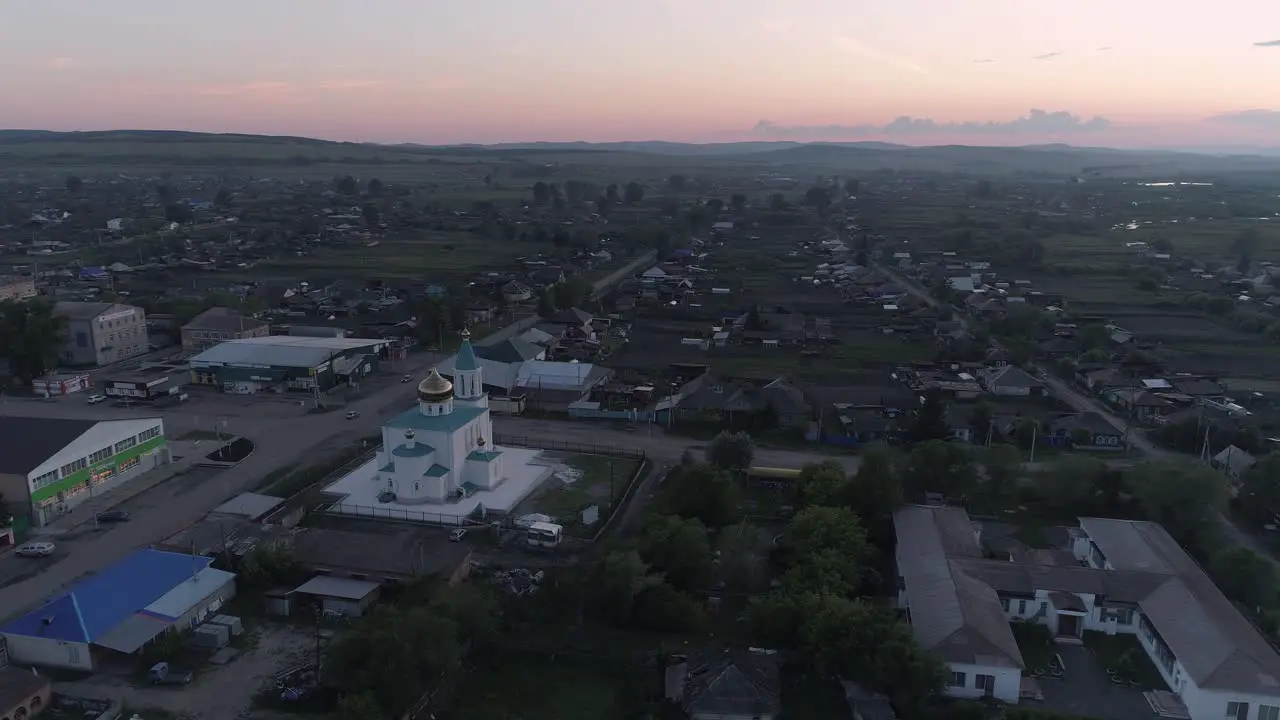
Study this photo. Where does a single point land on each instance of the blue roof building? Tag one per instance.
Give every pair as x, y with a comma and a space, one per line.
121, 608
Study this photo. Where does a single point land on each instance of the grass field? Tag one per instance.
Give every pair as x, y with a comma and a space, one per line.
596, 477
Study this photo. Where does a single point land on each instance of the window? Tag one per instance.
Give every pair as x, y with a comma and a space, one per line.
1268, 712
1022, 607
985, 683
74, 466
1004, 604
125, 444
146, 435
1237, 711
956, 680
45, 480
101, 455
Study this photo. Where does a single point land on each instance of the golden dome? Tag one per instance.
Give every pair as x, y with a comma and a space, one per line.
435, 388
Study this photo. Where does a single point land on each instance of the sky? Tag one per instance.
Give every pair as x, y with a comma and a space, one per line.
1126, 73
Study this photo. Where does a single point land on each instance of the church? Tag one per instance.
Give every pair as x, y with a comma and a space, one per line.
442, 450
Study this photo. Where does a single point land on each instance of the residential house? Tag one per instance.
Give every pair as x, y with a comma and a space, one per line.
1199, 388
711, 399
1010, 380
729, 685
1129, 577
516, 291
218, 325
1233, 462
545, 277
1141, 405
1102, 435
511, 350
866, 705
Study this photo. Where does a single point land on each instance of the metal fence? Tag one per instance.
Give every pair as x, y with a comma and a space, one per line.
396, 513
579, 448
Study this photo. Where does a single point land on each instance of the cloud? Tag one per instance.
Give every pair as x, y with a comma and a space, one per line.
1104, 48
983, 61
62, 63
339, 85
854, 47
1047, 56
1268, 43
1037, 122
1257, 119
264, 87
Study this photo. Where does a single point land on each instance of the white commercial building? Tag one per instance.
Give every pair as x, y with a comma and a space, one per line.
53, 464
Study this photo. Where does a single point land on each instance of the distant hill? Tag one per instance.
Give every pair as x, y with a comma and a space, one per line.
191, 149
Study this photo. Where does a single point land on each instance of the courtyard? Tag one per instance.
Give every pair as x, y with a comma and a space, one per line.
578, 481
1086, 689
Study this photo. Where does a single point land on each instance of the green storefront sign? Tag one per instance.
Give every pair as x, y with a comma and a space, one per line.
112, 463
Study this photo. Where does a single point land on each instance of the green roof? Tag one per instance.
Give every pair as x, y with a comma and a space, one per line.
413, 419
436, 470
484, 455
466, 359
412, 451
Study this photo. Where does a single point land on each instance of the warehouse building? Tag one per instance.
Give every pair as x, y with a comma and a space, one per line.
120, 610
100, 333
282, 363
53, 464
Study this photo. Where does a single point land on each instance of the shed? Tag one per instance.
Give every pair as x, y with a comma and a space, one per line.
341, 595
248, 505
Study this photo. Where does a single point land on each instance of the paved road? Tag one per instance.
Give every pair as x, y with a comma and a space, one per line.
285, 441
1084, 403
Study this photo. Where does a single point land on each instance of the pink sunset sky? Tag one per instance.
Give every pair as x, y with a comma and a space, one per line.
1124, 73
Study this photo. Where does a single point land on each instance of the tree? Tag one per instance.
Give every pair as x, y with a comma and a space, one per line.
823, 483
165, 195
941, 467
618, 579
571, 293
662, 608
876, 492
1245, 577
980, 424
819, 198
836, 529
611, 193
74, 184
1070, 484
716, 204
1002, 463
223, 198
178, 213
371, 213
376, 187
347, 185
738, 202
1260, 490
777, 202
633, 193
851, 187
266, 565
701, 492
730, 451
824, 572
360, 706
31, 334
1163, 245
678, 548
931, 418
676, 183
1186, 499
739, 558
547, 304
396, 655
541, 193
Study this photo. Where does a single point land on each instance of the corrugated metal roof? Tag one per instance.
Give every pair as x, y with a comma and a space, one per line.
131, 634
280, 351
337, 587
189, 593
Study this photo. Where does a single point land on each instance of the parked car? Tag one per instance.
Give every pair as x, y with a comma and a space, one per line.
95, 399
113, 516
457, 535
35, 549
164, 674
353, 414
405, 378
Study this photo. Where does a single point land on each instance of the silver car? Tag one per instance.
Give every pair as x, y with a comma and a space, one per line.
35, 549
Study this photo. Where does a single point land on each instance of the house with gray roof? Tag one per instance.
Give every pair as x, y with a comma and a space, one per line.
1127, 577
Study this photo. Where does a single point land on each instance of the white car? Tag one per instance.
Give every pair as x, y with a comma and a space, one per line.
457, 535
35, 549
95, 399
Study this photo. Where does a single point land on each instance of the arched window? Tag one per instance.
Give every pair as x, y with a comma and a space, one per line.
417, 486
